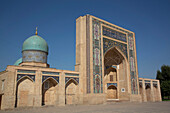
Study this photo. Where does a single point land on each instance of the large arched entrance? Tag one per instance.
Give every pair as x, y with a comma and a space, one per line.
71, 90
24, 92
49, 92
116, 72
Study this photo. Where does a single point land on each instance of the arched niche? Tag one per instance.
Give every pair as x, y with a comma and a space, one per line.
116, 64
148, 92
112, 92
49, 91
24, 92
71, 91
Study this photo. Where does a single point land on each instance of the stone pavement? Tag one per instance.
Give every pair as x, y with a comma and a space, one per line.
120, 107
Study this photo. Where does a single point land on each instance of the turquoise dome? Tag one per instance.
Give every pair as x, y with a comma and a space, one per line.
18, 62
35, 42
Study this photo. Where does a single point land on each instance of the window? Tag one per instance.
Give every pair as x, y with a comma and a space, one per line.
123, 90
111, 77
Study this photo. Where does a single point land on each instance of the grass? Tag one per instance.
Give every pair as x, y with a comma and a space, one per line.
165, 98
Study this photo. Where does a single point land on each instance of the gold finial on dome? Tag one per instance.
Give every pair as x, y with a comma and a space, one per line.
36, 31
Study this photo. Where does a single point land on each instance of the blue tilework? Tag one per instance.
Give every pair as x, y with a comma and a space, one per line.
34, 56
132, 62
19, 76
50, 73
56, 78
114, 34
108, 44
97, 58
68, 78
109, 84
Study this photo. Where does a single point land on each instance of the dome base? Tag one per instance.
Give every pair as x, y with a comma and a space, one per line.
34, 56
35, 64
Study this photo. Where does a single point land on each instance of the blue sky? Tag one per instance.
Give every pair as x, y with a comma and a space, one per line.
56, 21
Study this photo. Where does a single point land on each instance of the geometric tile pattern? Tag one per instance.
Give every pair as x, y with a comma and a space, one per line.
132, 62
20, 76
56, 78
107, 44
74, 78
131, 45
114, 34
34, 56
97, 58
109, 84
50, 73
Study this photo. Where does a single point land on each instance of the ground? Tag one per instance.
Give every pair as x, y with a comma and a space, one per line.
125, 107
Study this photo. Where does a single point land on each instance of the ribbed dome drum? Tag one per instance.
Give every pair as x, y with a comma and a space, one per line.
35, 49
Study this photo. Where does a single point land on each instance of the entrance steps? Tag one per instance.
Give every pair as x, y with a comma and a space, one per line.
109, 101
113, 100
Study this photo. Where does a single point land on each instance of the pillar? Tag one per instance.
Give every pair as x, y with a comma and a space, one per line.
62, 89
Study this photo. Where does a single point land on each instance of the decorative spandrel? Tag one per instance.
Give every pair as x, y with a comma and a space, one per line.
20, 76
108, 44
69, 78
56, 78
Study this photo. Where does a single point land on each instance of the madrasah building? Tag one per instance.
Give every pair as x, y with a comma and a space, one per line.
105, 71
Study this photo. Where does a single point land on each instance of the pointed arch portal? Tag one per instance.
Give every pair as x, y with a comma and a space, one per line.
49, 90
24, 92
115, 71
71, 91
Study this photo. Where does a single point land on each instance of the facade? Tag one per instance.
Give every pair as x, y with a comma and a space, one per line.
105, 71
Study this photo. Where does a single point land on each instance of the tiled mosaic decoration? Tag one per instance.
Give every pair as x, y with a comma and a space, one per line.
68, 78
20, 76
107, 67
56, 78
108, 44
109, 84
97, 62
132, 62
35, 56
50, 73
97, 70
114, 34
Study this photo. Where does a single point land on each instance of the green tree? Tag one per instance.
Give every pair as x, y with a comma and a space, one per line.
165, 85
164, 77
